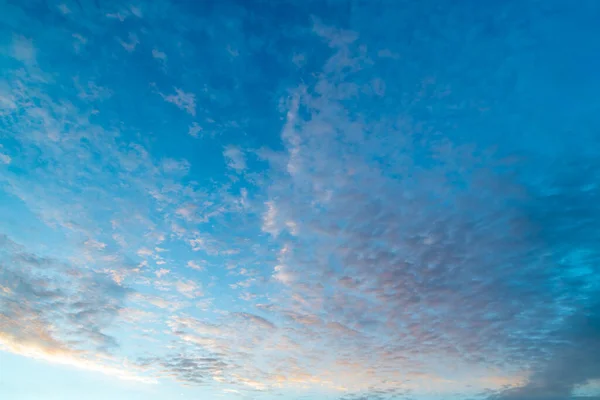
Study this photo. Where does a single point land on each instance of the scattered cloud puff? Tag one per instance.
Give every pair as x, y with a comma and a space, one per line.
189, 289
95, 244
131, 43
270, 224
194, 265
185, 101
235, 158
194, 130
161, 272
170, 165
159, 55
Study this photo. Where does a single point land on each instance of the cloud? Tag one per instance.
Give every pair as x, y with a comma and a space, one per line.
256, 320
161, 272
406, 251
144, 252
190, 368
212, 353
235, 159
434, 245
188, 212
48, 305
572, 363
270, 223
184, 101
136, 11
194, 130
161, 58
172, 166
158, 301
95, 244
5, 159
79, 42
121, 16
194, 265
159, 55
131, 44
188, 288
69, 358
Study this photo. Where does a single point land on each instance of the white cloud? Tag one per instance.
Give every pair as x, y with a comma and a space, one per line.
197, 244
137, 11
195, 265
170, 165
270, 224
79, 42
159, 55
283, 274
194, 130
158, 301
95, 244
188, 288
131, 44
335, 37
121, 16
185, 101
292, 227
92, 91
235, 158
188, 212
5, 159
292, 138
161, 272
117, 275
7, 102
144, 252
119, 239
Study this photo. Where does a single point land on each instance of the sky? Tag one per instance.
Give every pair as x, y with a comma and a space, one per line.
299, 199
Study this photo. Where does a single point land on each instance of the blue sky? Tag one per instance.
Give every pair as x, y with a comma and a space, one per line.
322, 200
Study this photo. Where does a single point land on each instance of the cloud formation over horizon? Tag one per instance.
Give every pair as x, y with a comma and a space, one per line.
279, 200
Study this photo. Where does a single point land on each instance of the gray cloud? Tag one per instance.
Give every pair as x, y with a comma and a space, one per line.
574, 362
193, 369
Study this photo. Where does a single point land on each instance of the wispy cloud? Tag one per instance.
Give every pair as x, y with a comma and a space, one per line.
184, 100
235, 158
131, 43
54, 313
379, 216
68, 358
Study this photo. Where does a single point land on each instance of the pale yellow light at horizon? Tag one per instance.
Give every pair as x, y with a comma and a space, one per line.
68, 358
